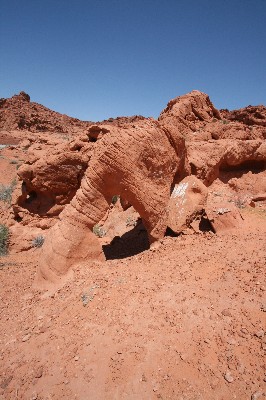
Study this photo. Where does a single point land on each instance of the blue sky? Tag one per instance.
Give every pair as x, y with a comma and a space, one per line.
106, 58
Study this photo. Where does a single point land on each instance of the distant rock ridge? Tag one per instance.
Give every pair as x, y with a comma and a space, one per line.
250, 115
19, 113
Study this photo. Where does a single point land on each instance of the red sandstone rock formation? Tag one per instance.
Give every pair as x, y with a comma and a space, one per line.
208, 158
251, 115
20, 113
140, 159
50, 179
222, 214
189, 114
139, 163
188, 200
206, 130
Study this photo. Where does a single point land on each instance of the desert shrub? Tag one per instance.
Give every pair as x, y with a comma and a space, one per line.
6, 191
98, 231
38, 241
115, 198
130, 221
4, 235
240, 203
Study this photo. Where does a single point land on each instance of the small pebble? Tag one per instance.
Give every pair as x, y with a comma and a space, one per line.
243, 333
241, 368
256, 395
228, 377
231, 341
260, 334
263, 307
76, 358
227, 313
38, 373
26, 337
143, 378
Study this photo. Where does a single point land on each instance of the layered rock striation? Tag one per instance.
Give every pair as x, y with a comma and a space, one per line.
141, 159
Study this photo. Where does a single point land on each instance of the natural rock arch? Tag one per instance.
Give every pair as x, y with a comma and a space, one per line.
140, 164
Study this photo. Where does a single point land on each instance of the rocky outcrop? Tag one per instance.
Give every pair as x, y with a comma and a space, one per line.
189, 114
138, 163
208, 159
187, 202
68, 242
140, 159
222, 213
18, 112
49, 179
197, 119
251, 115
216, 140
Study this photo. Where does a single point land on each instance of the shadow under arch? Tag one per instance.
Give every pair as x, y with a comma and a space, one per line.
129, 244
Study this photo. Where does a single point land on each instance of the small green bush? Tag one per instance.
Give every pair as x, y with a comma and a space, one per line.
98, 231
4, 235
240, 203
38, 241
131, 222
6, 191
115, 198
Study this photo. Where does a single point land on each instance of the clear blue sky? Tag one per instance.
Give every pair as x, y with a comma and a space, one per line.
95, 59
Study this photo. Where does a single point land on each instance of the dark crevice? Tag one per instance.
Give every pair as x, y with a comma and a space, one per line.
170, 232
205, 225
36, 203
193, 169
249, 165
31, 197
227, 172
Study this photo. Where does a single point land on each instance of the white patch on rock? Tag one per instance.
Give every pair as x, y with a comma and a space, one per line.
221, 211
180, 190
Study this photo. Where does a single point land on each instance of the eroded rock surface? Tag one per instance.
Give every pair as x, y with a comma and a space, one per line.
189, 114
222, 213
49, 179
207, 159
188, 200
18, 112
69, 178
139, 163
